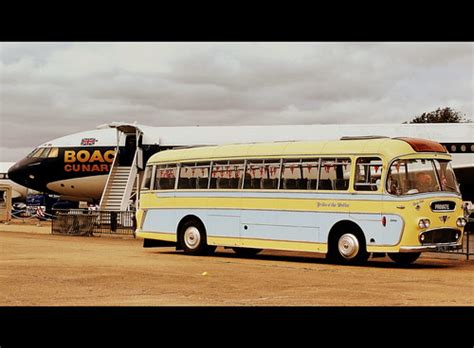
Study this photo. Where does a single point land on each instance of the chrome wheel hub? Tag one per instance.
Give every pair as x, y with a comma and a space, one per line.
348, 246
192, 237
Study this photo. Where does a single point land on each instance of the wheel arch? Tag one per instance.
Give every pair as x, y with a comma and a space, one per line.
185, 219
344, 225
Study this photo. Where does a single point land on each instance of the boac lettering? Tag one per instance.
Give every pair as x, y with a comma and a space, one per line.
88, 162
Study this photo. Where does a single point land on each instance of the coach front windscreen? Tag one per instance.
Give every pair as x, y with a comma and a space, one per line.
412, 176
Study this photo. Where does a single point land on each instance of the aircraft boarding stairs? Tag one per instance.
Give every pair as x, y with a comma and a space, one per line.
121, 187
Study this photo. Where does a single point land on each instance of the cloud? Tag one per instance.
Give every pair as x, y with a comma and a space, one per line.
50, 90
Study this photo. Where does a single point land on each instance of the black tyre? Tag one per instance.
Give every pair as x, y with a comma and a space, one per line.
246, 252
404, 258
193, 239
348, 247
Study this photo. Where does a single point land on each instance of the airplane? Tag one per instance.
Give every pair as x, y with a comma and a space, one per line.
76, 166
19, 192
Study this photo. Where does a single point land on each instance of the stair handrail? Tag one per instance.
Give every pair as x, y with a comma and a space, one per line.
130, 182
112, 166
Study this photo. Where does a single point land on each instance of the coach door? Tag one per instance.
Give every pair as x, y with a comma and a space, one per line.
393, 222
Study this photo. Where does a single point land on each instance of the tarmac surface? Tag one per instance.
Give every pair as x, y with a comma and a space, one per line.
40, 269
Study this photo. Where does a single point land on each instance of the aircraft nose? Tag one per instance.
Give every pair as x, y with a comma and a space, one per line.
16, 173
26, 174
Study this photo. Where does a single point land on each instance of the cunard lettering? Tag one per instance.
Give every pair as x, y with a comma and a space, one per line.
88, 161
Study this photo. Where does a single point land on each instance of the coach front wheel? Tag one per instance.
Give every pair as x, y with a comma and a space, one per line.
348, 248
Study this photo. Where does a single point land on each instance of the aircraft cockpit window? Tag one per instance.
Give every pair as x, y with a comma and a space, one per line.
39, 153
54, 152
36, 152
45, 153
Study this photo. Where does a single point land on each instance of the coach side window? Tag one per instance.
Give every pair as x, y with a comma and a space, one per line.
193, 176
165, 177
262, 174
310, 171
227, 175
300, 174
368, 173
334, 174
292, 175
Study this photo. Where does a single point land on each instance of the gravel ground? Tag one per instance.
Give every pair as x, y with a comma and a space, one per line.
40, 269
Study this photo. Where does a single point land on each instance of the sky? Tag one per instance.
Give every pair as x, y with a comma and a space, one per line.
48, 90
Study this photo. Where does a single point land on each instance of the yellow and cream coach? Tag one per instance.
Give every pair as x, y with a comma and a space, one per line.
348, 198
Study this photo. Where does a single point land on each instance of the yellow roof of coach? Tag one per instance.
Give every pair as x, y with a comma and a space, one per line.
388, 147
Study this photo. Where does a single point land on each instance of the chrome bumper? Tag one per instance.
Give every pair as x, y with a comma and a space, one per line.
435, 247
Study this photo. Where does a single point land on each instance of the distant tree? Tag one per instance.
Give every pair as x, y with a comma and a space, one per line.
445, 115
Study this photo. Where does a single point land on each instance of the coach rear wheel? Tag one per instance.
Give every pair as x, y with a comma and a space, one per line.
193, 239
348, 248
404, 258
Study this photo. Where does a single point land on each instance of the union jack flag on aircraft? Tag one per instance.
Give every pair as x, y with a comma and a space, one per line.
88, 141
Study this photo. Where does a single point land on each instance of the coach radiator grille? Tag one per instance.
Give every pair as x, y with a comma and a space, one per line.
442, 235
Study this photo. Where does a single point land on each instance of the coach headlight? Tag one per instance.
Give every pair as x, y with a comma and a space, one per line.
461, 222
424, 223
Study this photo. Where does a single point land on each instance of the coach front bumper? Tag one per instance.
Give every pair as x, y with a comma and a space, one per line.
435, 247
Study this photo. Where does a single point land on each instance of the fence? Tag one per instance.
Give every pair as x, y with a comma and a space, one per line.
79, 222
